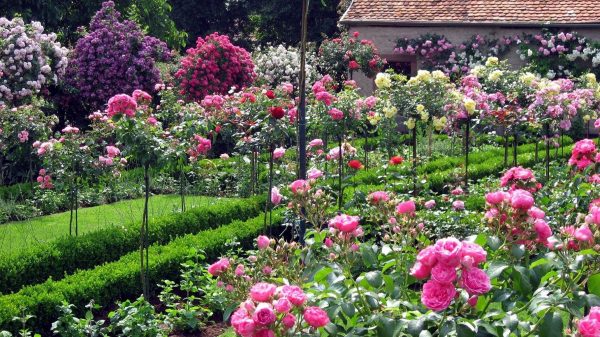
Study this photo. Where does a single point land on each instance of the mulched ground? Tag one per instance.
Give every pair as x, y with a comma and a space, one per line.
214, 330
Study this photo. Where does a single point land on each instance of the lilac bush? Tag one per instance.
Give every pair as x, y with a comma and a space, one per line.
29, 60
114, 57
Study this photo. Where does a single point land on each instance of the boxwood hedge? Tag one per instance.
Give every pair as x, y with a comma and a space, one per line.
120, 279
67, 254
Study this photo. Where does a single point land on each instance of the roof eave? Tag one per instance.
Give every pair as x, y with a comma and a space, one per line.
395, 23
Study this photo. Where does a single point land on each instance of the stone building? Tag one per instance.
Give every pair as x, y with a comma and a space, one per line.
385, 21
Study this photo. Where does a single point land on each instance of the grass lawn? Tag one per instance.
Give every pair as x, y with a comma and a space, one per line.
15, 236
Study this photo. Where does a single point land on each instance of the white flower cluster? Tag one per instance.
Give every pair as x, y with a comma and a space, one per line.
280, 64
29, 59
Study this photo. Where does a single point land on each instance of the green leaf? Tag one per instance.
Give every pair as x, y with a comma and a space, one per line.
388, 327
348, 309
538, 263
594, 284
496, 268
415, 327
374, 278
322, 274
465, 329
552, 325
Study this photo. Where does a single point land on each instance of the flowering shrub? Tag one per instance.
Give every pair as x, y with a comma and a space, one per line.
30, 60
280, 64
114, 57
450, 263
584, 154
214, 66
347, 53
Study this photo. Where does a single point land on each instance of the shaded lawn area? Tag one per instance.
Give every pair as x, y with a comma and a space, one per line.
18, 235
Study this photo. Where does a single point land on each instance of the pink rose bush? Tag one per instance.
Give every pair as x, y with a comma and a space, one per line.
589, 326
449, 264
583, 155
276, 311
520, 178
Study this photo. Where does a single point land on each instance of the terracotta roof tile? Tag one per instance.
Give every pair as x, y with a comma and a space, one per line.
475, 11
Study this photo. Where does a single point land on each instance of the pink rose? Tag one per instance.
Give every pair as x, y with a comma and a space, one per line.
430, 204
288, 321
299, 186
458, 205
295, 294
239, 270
378, 197
474, 252
336, 114
242, 324
542, 229
278, 152
584, 233
443, 274
589, 326
494, 198
521, 199
536, 213
427, 256
263, 242
316, 317
328, 242
315, 142
263, 314
282, 305
218, 267
420, 271
437, 296
344, 223
406, 207
448, 251
314, 173
262, 291
265, 333
475, 281
276, 196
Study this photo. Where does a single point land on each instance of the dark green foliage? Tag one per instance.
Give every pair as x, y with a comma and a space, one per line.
120, 279
69, 253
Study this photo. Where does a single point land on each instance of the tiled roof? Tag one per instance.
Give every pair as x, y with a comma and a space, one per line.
475, 11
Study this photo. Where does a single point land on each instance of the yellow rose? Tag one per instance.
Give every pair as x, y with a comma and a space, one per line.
420, 108
383, 80
374, 119
495, 75
527, 78
491, 61
423, 75
439, 75
469, 105
389, 111
410, 123
424, 116
477, 70
590, 78
587, 118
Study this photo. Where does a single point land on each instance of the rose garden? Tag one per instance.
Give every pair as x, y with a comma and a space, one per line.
223, 192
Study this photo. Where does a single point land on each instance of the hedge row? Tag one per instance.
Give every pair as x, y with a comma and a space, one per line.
67, 254
121, 279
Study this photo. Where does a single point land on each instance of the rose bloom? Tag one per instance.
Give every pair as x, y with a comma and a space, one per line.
218, 267
316, 317
427, 256
475, 281
406, 207
458, 205
344, 223
314, 173
378, 197
242, 323
472, 254
299, 186
282, 305
396, 160
355, 164
288, 321
430, 204
294, 293
495, 198
270, 94
264, 333
443, 274
521, 199
276, 196
589, 326
420, 271
437, 296
278, 152
336, 114
262, 291
448, 251
276, 112
263, 314
263, 242
315, 142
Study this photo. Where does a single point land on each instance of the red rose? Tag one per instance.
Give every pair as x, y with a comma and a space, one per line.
270, 94
353, 65
396, 160
355, 164
277, 112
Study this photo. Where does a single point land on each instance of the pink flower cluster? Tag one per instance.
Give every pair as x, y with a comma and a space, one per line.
23, 136
300, 186
111, 153
584, 154
378, 197
514, 213
589, 326
450, 263
274, 311
121, 104
214, 66
520, 178
200, 146
45, 180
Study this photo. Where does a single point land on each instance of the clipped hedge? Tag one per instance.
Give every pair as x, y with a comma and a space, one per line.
120, 280
67, 254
